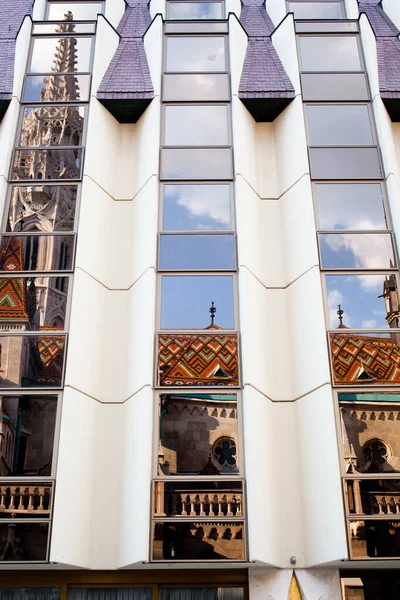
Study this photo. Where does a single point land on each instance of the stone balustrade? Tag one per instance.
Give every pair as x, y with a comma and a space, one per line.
190, 503
23, 499
383, 504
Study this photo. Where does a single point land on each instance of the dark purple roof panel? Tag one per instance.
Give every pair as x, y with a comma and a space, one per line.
265, 88
127, 89
388, 51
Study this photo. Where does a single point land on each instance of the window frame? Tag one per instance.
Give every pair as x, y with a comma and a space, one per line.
59, 36
55, 2
330, 35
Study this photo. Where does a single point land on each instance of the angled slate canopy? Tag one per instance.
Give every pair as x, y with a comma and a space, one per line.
12, 13
388, 51
127, 89
265, 88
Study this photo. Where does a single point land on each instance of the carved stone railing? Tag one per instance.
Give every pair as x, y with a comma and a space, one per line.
382, 504
17, 499
189, 503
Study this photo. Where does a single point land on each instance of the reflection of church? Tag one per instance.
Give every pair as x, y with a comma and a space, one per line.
369, 359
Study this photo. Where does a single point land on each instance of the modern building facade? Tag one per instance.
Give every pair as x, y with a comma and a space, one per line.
199, 307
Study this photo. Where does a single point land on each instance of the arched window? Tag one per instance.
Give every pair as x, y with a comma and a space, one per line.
377, 455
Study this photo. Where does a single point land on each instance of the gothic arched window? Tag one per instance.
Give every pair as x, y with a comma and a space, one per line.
376, 455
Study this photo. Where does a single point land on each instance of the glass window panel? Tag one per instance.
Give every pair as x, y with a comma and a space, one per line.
34, 414
42, 208
109, 593
195, 27
334, 53
52, 125
81, 11
209, 593
30, 542
374, 539
194, 10
26, 501
339, 124
368, 301
365, 358
32, 361
356, 251
33, 302
52, 28
196, 207
64, 88
196, 125
378, 496
345, 163
75, 51
30, 593
350, 206
37, 253
334, 86
316, 10
204, 86
192, 252
181, 359
186, 301
189, 445
199, 541
362, 423
186, 54
211, 498
326, 27
55, 163
199, 163
367, 397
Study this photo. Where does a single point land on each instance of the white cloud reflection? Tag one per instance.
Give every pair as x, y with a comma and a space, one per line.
203, 203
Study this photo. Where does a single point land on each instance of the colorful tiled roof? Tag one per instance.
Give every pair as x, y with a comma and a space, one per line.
198, 359
358, 359
265, 88
388, 50
13, 298
126, 89
51, 354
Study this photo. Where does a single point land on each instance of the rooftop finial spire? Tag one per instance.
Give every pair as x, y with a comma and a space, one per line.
213, 310
340, 314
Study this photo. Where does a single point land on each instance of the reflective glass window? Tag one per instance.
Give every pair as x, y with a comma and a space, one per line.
65, 54
367, 301
30, 455
98, 593
350, 206
29, 593
56, 88
345, 163
363, 422
205, 86
374, 538
192, 54
223, 498
329, 53
365, 358
194, 446
186, 301
198, 541
206, 359
339, 26
196, 27
61, 26
378, 496
369, 397
36, 302
37, 253
81, 11
196, 125
52, 125
43, 208
194, 10
192, 252
196, 207
339, 124
56, 163
32, 361
196, 163
316, 10
356, 251
30, 542
334, 86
